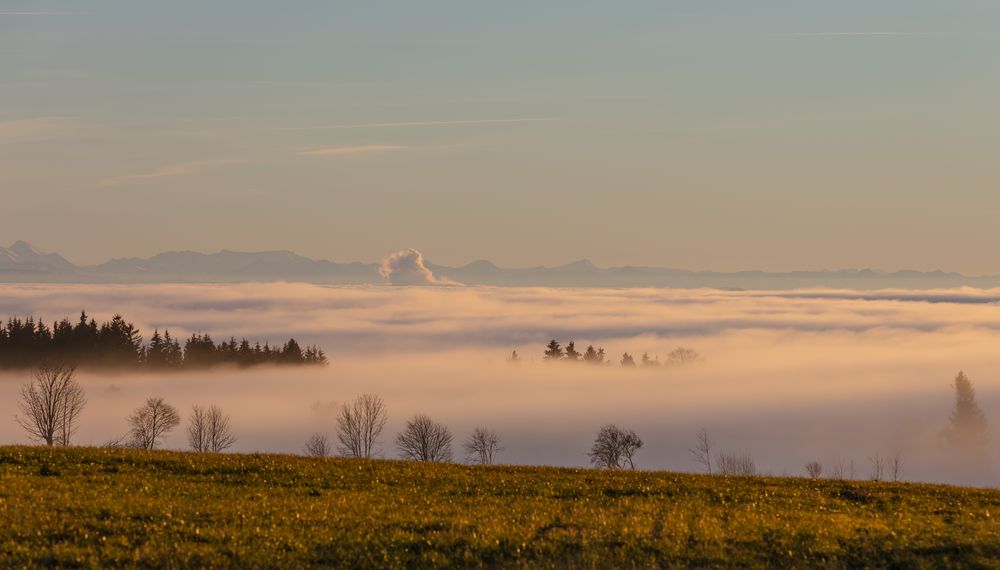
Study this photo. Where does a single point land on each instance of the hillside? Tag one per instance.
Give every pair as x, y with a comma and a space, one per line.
104, 508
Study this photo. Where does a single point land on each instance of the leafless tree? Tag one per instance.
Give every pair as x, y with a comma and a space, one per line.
896, 467
317, 445
151, 422
839, 469
483, 446
736, 464
703, 450
878, 467
209, 430
425, 440
614, 448
50, 404
814, 469
359, 425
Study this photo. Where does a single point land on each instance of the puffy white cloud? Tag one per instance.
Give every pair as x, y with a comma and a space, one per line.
406, 267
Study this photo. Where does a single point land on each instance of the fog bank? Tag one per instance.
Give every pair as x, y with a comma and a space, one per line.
790, 376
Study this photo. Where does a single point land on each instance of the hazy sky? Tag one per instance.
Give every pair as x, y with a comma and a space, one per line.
702, 134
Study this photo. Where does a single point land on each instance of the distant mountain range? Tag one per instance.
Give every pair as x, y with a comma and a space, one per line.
23, 263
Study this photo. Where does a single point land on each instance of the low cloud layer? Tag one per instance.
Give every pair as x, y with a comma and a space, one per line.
406, 267
789, 376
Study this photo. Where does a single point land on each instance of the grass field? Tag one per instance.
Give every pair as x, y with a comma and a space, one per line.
102, 508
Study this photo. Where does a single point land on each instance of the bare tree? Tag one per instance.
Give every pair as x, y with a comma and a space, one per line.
425, 440
703, 450
317, 445
151, 422
839, 469
209, 430
736, 464
483, 446
896, 467
359, 425
878, 467
814, 469
614, 448
50, 404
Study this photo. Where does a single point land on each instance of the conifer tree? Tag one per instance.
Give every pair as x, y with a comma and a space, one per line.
553, 351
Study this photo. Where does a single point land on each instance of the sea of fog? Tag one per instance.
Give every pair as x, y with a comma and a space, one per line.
791, 377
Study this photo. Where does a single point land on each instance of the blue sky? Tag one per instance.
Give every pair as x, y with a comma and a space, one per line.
701, 134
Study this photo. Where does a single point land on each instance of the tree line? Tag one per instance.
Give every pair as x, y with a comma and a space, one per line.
555, 352
26, 343
52, 399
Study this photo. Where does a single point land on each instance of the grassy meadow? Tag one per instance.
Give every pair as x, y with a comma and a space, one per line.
87, 507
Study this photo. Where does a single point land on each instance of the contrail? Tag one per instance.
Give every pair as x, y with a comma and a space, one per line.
417, 124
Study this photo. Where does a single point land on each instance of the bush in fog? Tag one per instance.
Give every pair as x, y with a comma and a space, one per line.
317, 445
482, 446
736, 464
209, 430
152, 421
682, 355
614, 448
423, 439
50, 405
359, 424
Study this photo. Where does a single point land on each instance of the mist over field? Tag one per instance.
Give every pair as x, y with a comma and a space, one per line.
793, 376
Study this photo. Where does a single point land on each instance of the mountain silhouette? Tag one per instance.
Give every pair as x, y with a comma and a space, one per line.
22, 262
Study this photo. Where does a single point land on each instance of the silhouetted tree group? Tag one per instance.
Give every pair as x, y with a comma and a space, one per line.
554, 352
119, 344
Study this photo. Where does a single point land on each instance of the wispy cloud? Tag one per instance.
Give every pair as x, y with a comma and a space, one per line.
33, 13
179, 169
418, 124
349, 150
35, 129
865, 34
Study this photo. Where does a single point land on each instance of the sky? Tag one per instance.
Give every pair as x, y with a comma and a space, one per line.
699, 134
